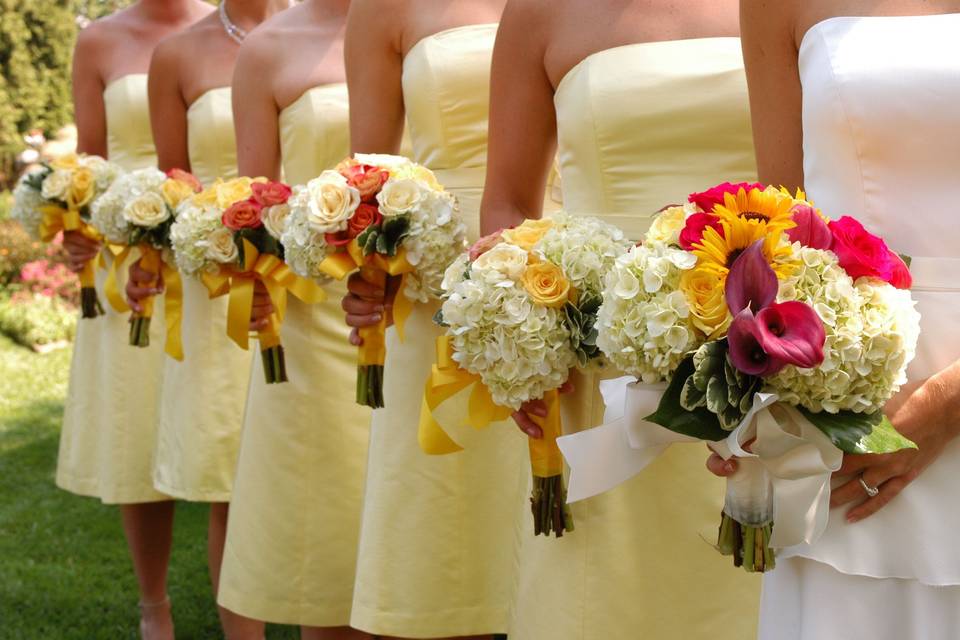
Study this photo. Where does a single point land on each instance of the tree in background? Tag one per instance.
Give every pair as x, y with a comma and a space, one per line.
36, 46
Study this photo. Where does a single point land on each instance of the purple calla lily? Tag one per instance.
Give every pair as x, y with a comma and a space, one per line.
811, 231
793, 333
751, 283
745, 348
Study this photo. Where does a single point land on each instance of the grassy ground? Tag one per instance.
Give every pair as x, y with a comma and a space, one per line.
64, 572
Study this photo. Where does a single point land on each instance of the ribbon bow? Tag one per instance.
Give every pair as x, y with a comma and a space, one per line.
278, 279
799, 457
56, 219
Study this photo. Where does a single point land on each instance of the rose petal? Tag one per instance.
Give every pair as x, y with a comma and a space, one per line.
792, 332
811, 231
751, 283
900, 278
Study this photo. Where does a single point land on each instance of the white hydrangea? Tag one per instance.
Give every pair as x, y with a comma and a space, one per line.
106, 213
26, 207
190, 234
304, 248
519, 349
436, 238
104, 171
644, 323
872, 330
586, 248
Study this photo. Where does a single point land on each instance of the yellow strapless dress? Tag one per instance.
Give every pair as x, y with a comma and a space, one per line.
295, 515
202, 402
439, 533
639, 127
109, 431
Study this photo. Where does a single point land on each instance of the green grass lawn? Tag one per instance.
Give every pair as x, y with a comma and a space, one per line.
64, 569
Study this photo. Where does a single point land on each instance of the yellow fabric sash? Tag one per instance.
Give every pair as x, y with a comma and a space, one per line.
278, 279
374, 269
56, 219
151, 259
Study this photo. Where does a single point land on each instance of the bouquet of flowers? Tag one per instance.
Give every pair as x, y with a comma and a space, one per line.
229, 236
57, 197
137, 211
519, 311
387, 217
779, 335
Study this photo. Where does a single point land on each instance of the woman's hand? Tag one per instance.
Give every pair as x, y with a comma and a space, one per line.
535, 408
141, 285
80, 250
925, 417
366, 303
720, 467
262, 307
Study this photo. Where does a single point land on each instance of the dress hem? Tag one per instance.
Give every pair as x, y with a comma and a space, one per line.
92, 490
192, 496
442, 624
283, 612
861, 573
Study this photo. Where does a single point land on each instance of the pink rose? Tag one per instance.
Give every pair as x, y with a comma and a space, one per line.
863, 254
270, 194
696, 224
484, 244
710, 198
811, 231
366, 179
246, 214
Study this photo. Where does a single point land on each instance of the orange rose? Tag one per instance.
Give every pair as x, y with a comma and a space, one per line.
269, 194
246, 214
366, 179
186, 177
365, 216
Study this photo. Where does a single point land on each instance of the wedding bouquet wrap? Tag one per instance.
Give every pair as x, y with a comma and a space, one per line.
390, 219
57, 197
519, 312
229, 237
779, 335
136, 212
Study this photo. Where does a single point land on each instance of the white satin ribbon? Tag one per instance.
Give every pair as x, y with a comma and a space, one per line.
799, 457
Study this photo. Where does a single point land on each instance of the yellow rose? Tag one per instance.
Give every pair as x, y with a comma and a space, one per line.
704, 290
83, 187
233, 191
421, 173
174, 192
545, 283
207, 197
67, 161
528, 234
667, 225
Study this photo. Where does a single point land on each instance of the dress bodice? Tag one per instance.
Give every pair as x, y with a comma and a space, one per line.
129, 137
315, 132
881, 142
211, 140
643, 125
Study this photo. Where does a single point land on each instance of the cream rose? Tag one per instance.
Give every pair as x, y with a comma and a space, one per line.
147, 210
56, 184
232, 191
399, 197
506, 259
220, 246
275, 218
668, 224
331, 202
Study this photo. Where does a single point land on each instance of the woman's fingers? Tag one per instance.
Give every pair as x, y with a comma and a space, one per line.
566, 387
720, 467
535, 407
360, 288
854, 464
527, 425
355, 338
888, 491
853, 491
362, 313
360, 321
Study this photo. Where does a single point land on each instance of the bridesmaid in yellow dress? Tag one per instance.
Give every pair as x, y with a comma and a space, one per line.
203, 396
291, 548
647, 103
109, 430
439, 533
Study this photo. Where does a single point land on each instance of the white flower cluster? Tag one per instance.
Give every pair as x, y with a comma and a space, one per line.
586, 248
196, 235
26, 207
872, 331
107, 214
304, 245
519, 349
644, 323
437, 236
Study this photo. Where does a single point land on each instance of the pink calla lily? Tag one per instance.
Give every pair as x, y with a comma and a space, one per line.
793, 333
751, 283
811, 231
745, 348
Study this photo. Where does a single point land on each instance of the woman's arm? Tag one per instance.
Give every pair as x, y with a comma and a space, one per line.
168, 110
88, 107
255, 111
523, 123
768, 31
374, 64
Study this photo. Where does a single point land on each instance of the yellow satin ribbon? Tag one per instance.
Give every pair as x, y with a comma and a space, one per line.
546, 460
151, 259
56, 219
278, 279
374, 269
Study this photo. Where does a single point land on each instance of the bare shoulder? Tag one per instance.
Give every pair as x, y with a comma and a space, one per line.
380, 18
535, 18
773, 15
264, 47
187, 44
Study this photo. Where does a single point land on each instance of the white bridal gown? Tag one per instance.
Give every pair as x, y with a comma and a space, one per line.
881, 122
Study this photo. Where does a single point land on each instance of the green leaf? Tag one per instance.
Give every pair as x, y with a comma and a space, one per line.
699, 423
859, 432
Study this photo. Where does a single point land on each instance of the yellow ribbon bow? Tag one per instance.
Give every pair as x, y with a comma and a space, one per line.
278, 279
56, 219
151, 260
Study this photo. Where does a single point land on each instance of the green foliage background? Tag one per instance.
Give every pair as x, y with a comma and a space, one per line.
36, 47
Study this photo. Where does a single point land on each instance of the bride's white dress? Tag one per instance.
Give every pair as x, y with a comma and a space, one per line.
881, 123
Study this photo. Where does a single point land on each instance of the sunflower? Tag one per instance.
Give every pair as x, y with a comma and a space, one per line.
767, 208
718, 250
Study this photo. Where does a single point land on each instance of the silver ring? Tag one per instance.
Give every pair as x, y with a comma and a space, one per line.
871, 491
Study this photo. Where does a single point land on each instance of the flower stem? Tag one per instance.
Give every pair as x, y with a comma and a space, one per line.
90, 306
274, 364
548, 501
139, 331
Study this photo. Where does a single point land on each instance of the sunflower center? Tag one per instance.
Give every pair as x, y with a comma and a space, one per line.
754, 215
732, 257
